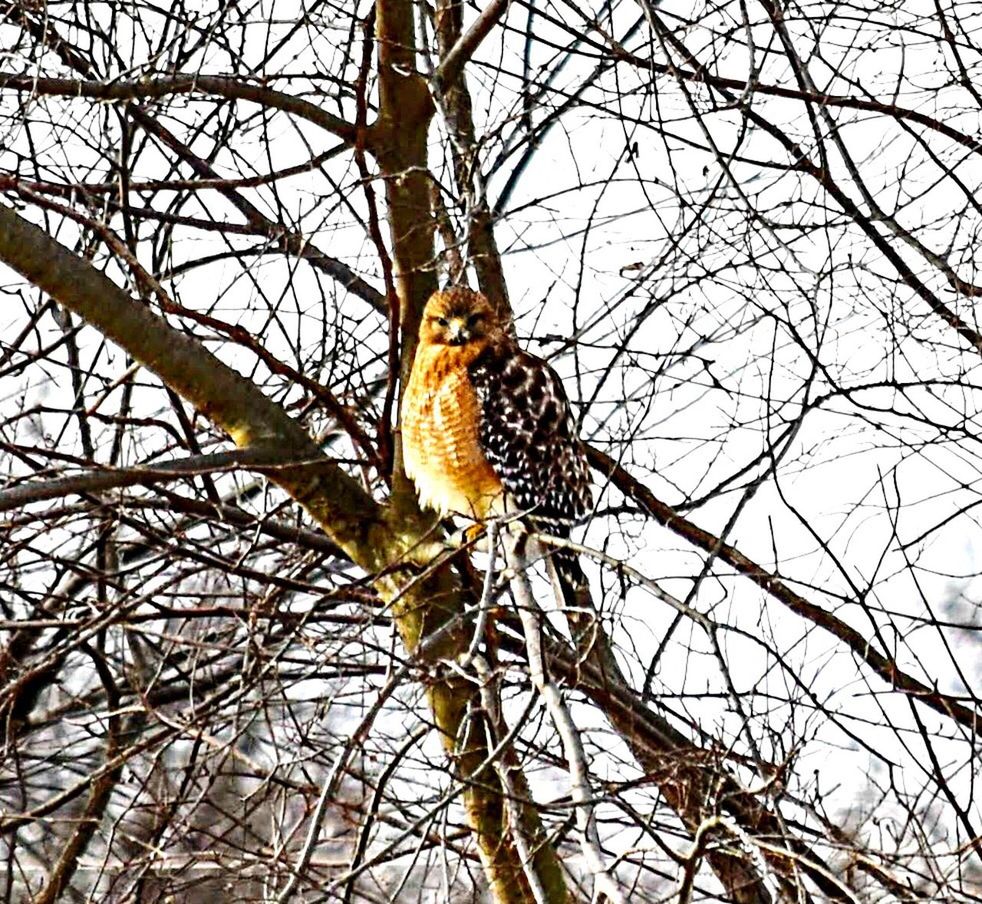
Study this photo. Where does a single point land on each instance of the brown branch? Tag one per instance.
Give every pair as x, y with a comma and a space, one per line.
428, 611
235, 332
152, 87
386, 451
99, 793
69, 189
101, 480
882, 665
482, 249
691, 792
690, 778
400, 139
702, 76
240, 335
456, 57
822, 175
228, 399
290, 242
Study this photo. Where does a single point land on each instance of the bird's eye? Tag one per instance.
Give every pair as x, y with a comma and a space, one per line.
474, 318
442, 321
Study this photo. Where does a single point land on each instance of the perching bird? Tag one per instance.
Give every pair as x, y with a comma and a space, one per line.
487, 428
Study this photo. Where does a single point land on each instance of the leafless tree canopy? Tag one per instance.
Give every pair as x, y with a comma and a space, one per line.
238, 663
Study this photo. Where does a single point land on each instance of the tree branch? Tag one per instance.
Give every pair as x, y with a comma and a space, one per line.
164, 86
881, 664
457, 56
100, 480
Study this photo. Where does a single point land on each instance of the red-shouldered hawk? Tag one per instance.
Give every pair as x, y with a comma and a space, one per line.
487, 427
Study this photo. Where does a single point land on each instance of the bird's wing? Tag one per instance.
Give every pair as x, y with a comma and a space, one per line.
528, 435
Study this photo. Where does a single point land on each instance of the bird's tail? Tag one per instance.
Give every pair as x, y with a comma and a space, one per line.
573, 596
569, 580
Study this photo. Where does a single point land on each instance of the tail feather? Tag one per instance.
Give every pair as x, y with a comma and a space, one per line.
573, 596
569, 579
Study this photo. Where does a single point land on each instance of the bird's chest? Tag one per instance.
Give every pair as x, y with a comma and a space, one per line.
441, 422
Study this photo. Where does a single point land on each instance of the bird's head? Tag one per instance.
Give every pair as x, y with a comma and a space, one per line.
457, 316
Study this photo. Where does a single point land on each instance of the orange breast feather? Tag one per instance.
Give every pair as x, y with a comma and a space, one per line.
440, 435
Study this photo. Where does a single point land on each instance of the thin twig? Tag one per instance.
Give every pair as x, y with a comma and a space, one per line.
464, 49
604, 883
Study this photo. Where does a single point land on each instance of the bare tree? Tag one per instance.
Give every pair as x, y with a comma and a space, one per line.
239, 663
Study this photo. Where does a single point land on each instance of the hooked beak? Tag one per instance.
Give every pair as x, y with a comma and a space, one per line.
457, 333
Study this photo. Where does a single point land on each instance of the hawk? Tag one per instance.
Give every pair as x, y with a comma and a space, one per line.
487, 428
